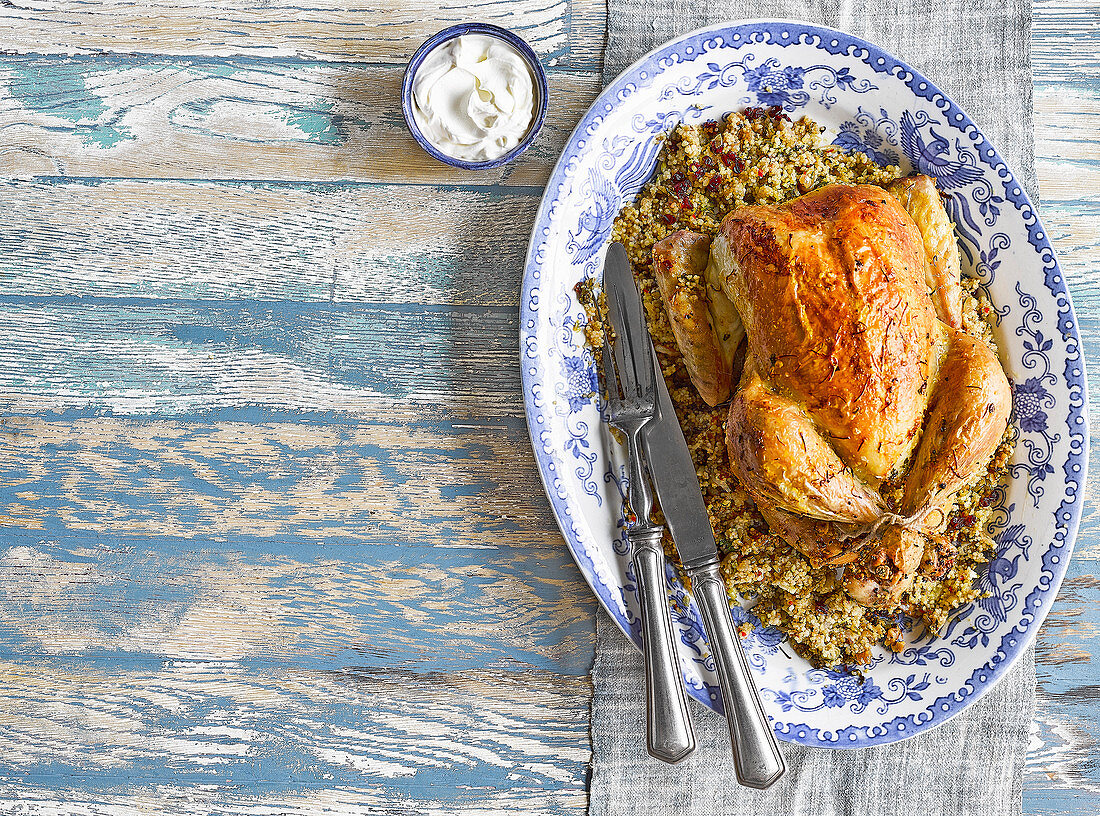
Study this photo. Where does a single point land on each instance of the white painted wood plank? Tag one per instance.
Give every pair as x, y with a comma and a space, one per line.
1067, 150
229, 242
169, 797
560, 31
1071, 632
1070, 123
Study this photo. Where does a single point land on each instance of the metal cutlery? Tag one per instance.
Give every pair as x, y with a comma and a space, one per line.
756, 757
757, 760
631, 380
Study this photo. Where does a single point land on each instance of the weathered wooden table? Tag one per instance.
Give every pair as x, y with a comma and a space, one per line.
273, 539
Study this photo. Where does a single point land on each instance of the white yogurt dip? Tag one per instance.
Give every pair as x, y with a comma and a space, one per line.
473, 97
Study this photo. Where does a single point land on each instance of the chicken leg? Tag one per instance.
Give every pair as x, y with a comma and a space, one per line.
788, 466
967, 416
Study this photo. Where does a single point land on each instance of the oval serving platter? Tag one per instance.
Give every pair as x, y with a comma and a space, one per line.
872, 102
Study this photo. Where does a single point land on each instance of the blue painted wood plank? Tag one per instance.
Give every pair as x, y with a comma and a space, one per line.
232, 738
367, 482
265, 242
97, 598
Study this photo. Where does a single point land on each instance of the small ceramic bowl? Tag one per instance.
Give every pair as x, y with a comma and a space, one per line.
538, 74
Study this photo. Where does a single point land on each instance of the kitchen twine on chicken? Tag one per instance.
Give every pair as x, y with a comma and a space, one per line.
978, 52
914, 523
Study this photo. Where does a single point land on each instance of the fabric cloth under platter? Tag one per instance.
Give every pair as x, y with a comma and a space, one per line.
979, 54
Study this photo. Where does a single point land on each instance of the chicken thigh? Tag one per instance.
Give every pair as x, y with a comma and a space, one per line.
857, 369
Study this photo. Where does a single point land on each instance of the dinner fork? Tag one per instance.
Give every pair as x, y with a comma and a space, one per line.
631, 405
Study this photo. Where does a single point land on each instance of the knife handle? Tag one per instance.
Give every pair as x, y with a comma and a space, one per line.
669, 734
756, 757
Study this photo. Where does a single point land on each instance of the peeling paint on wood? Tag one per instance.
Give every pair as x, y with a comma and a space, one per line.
222, 241
237, 737
565, 33
273, 540
240, 119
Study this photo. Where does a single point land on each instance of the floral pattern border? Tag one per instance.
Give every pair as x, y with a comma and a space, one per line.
956, 163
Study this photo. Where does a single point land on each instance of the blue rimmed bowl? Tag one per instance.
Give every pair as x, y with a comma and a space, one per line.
538, 74
872, 102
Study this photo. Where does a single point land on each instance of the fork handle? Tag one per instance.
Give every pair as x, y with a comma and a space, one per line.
756, 757
669, 734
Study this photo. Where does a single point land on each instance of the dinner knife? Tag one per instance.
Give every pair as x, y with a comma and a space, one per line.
758, 762
669, 733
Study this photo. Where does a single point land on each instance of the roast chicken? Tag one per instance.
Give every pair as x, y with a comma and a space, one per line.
856, 370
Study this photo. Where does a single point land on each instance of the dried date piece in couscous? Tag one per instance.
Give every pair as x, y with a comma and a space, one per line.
704, 171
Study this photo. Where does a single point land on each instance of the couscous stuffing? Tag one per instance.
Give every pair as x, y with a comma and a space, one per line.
704, 171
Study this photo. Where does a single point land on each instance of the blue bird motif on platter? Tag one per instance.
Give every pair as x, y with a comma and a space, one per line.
1001, 570
931, 157
594, 223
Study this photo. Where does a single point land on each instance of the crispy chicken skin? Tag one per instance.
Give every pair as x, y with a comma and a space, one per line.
856, 370
830, 288
784, 462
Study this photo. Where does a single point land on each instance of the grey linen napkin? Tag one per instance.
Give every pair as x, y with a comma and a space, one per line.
970, 765
978, 52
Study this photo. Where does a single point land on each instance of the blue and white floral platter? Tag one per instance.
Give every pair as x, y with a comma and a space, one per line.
872, 102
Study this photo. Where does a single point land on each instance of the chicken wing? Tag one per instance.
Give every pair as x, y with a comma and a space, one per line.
943, 275
704, 323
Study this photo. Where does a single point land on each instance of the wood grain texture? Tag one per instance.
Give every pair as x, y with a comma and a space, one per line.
230, 737
271, 538
188, 357
565, 33
191, 118
317, 243
1063, 38
284, 603
1058, 777
298, 481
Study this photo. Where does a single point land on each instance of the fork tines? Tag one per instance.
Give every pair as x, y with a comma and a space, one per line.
627, 396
